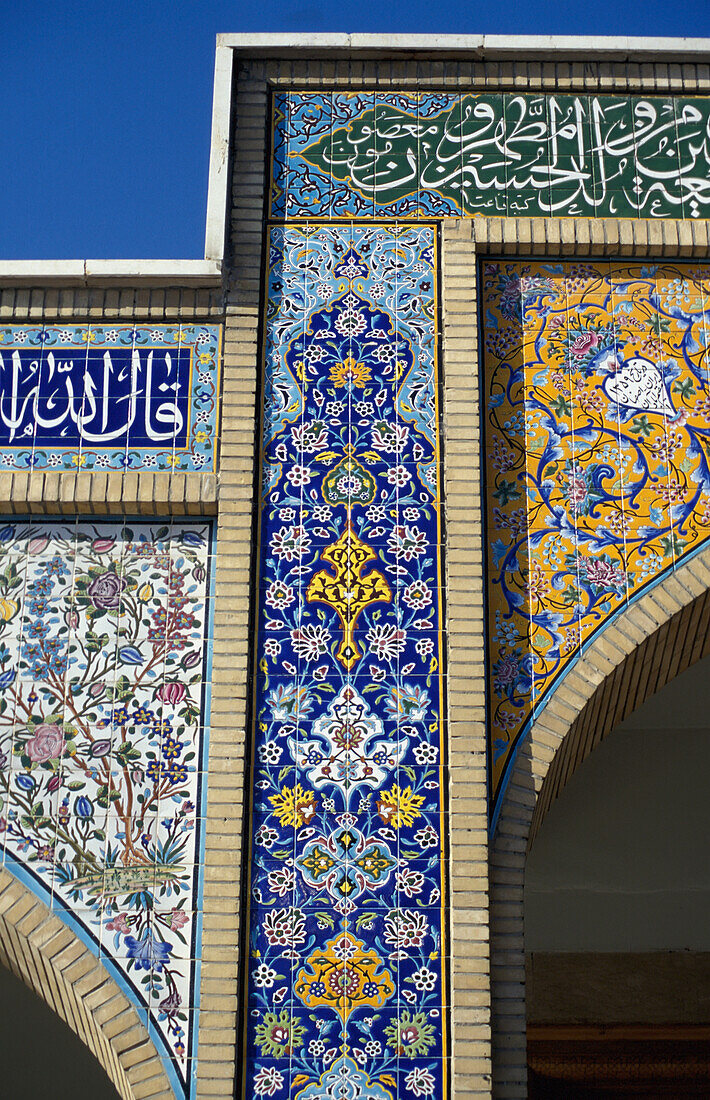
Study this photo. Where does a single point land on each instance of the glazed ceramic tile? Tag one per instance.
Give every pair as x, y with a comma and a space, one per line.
109, 398
103, 700
597, 478
347, 959
415, 155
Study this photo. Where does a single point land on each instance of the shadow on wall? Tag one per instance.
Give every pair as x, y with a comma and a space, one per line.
40, 1056
620, 863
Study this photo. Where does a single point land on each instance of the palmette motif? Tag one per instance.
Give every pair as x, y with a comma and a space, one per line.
597, 437
103, 707
347, 988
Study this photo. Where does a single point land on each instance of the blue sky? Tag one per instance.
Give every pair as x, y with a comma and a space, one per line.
107, 107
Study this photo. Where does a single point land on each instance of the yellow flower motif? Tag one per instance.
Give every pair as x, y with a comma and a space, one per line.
294, 806
205, 357
357, 374
78, 460
145, 593
399, 807
201, 437
8, 608
88, 336
172, 460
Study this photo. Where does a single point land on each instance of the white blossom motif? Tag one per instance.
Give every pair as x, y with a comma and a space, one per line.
349, 748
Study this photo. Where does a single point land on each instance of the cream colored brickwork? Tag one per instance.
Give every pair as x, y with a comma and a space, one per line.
487, 967
468, 826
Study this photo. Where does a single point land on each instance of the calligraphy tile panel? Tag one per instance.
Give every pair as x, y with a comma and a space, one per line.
411, 155
104, 670
597, 434
109, 397
347, 953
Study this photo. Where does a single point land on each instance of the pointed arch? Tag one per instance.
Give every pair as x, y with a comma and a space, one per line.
41, 950
653, 641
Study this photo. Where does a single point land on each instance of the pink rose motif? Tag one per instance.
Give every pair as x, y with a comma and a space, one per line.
47, 743
604, 574
178, 919
507, 670
584, 343
171, 692
577, 490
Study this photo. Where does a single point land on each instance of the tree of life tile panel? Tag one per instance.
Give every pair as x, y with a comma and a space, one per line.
452, 154
597, 449
103, 710
109, 397
347, 957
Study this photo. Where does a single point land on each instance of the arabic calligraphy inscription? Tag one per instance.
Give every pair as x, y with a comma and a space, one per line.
109, 398
446, 154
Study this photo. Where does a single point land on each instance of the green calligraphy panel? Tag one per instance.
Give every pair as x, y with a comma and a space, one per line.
410, 155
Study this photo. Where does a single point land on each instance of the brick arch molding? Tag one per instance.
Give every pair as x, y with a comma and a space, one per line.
654, 640
47, 956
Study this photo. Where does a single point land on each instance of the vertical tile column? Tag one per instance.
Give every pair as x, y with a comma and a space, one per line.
348, 951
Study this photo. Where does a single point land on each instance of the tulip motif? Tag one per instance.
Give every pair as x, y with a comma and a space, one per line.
8, 608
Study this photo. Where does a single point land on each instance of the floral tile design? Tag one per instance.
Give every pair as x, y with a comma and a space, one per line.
109, 398
347, 958
424, 155
597, 434
104, 672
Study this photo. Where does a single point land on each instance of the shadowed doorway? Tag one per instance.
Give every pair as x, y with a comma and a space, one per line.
40, 1055
617, 905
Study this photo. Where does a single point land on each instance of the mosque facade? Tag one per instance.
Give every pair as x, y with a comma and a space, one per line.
325, 561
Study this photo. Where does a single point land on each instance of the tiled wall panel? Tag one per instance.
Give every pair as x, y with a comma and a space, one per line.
104, 673
347, 950
109, 397
597, 418
447, 154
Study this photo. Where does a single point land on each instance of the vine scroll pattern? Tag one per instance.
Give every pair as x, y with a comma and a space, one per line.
597, 451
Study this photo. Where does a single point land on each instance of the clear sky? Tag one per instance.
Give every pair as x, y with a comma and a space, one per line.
106, 107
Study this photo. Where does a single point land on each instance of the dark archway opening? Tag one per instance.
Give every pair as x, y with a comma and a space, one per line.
617, 911
40, 1056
